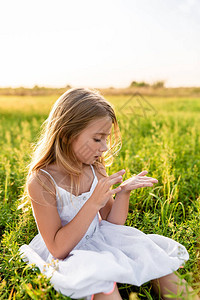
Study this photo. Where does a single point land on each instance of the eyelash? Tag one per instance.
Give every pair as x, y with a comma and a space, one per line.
98, 140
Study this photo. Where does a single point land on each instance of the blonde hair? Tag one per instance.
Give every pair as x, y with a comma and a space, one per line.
71, 114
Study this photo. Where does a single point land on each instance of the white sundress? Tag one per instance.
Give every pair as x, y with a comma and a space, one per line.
108, 253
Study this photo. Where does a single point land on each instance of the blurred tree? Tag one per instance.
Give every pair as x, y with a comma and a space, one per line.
139, 84
159, 84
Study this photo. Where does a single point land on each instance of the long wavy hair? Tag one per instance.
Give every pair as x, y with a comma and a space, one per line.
70, 115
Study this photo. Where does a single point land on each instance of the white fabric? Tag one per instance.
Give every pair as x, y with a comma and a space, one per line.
106, 254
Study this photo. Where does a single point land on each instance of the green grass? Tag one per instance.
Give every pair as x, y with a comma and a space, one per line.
160, 135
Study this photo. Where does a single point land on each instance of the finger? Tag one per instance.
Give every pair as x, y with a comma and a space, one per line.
135, 180
132, 180
146, 184
114, 191
142, 173
154, 180
147, 179
141, 185
118, 179
121, 172
143, 182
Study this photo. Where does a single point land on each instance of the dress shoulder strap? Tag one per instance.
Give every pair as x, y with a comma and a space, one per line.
93, 170
49, 176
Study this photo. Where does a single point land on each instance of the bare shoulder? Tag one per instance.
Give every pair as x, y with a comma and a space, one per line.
41, 189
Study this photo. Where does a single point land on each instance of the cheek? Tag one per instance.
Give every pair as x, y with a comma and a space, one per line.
76, 145
83, 144
93, 146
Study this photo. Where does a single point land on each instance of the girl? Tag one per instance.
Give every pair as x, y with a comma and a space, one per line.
82, 242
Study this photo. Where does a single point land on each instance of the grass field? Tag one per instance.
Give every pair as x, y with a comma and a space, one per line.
161, 135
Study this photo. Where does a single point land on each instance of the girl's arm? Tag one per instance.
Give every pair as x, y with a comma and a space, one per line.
60, 240
115, 211
120, 207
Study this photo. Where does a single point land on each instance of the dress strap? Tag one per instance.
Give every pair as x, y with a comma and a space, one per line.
93, 170
49, 176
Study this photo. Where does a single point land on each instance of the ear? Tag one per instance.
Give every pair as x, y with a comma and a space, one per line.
69, 140
63, 139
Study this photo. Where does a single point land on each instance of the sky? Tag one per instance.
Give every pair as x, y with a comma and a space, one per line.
90, 43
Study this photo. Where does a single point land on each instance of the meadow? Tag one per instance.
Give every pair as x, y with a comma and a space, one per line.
159, 134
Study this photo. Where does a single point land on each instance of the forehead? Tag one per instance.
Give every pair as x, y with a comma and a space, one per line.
101, 125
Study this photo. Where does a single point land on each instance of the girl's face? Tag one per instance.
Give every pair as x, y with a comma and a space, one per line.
92, 141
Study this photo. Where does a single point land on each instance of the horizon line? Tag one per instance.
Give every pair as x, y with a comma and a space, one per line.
93, 87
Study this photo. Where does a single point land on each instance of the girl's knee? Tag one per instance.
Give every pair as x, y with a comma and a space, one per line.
112, 291
112, 295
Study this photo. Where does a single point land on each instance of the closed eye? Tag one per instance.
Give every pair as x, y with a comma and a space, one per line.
97, 140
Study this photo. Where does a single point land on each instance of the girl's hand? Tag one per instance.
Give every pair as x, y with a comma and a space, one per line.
137, 181
102, 191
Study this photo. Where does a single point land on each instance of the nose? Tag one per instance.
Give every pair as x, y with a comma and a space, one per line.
103, 147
